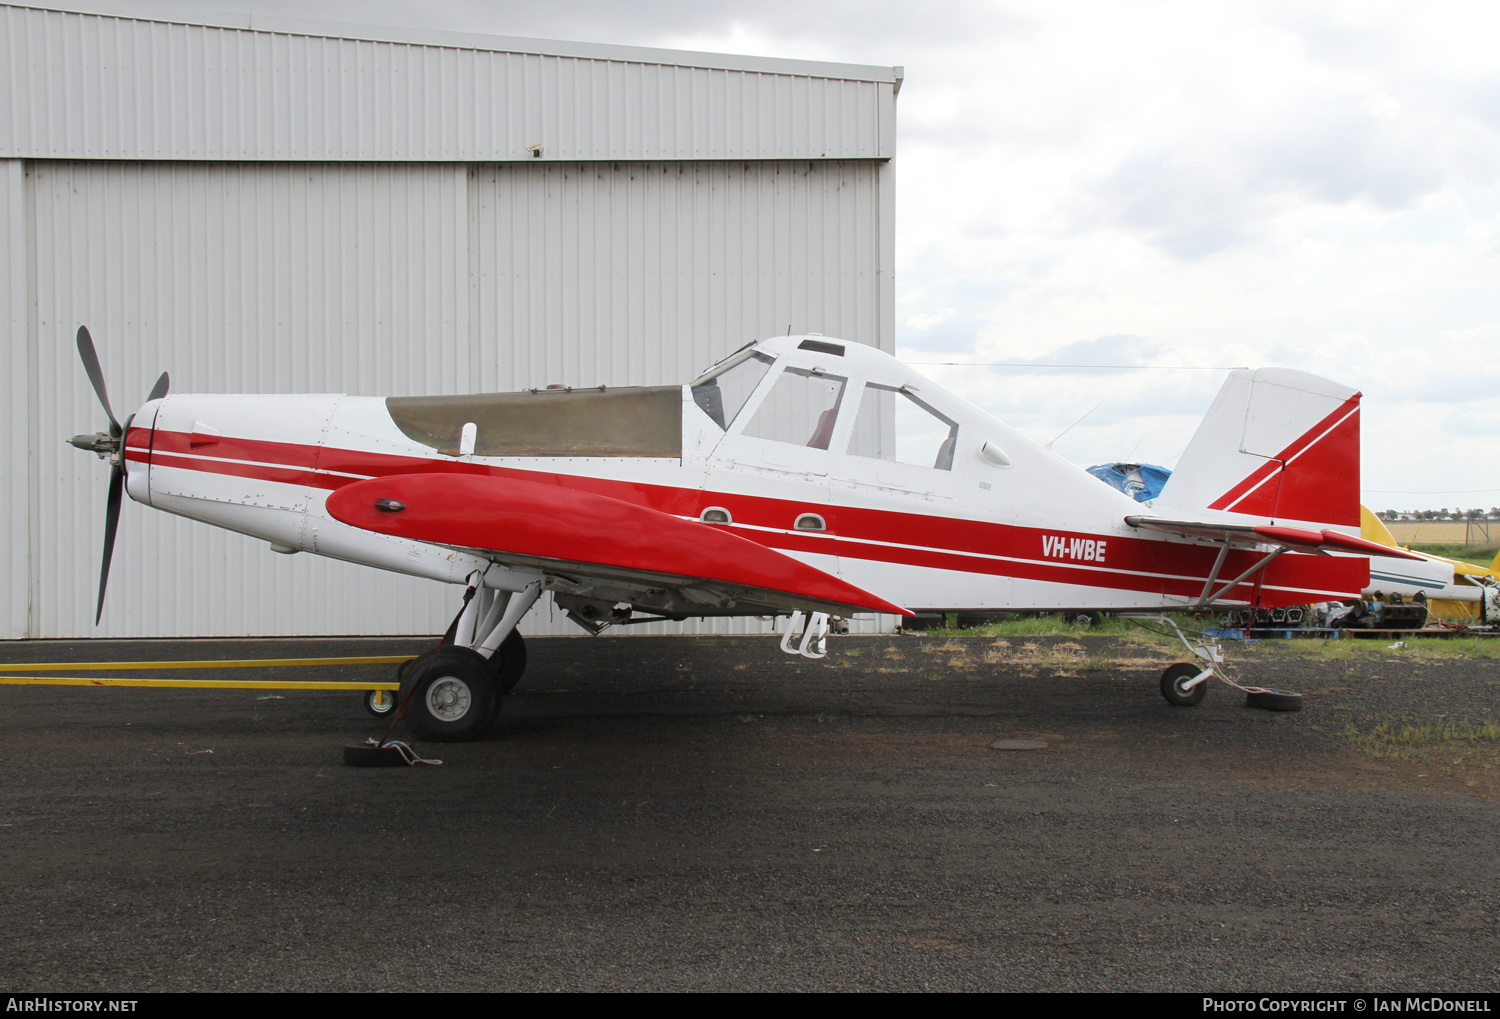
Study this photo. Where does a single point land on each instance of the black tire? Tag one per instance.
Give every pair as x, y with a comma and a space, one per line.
366, 755
1172, 680
451, 697
1274, 700
1083, 620
387, 703
509, 661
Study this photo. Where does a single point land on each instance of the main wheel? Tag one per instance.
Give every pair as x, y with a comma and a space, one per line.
509, 661
451, 697
1083, 620
1172, 688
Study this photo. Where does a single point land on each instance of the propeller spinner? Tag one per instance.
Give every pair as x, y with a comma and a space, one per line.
108, 445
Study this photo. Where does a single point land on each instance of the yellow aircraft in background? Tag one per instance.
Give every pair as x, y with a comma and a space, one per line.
1474, 595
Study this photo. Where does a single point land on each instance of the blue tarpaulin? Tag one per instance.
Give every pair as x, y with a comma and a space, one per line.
1139, 481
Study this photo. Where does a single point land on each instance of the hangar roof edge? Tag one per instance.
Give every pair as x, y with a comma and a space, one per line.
470, 41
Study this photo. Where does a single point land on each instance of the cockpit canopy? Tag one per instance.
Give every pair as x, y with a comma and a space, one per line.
814, 393
804, 402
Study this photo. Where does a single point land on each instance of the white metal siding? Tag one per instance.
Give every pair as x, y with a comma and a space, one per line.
15, 518
644, 273
245, 278
377, 279
638, 274
85, 86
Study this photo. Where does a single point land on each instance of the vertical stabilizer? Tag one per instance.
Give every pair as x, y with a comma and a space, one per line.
1277, 444
1372, 528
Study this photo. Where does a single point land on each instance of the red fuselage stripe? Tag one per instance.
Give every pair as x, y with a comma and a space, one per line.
1128, 564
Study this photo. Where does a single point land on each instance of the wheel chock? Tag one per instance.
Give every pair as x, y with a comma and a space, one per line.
1272, 700
364, 755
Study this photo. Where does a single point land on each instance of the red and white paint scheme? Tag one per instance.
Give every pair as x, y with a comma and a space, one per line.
802, 476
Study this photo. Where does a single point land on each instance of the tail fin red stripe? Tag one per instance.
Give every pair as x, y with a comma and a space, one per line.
1325, 484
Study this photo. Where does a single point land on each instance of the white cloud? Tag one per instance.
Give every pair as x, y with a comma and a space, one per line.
1304, 183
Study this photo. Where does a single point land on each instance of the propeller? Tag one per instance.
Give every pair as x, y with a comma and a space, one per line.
108, 445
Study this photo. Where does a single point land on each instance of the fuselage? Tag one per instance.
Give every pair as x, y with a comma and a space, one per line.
834, 453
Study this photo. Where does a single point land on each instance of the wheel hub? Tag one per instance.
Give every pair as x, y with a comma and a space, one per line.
448, 698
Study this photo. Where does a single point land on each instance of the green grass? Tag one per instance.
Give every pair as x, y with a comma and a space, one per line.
1054, 626
1354, 649
1466, 553
1393, 738
1419, 648
1461, 751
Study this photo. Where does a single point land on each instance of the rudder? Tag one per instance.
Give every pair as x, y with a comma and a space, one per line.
1276, 444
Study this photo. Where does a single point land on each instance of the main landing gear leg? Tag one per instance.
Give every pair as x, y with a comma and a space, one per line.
454, 692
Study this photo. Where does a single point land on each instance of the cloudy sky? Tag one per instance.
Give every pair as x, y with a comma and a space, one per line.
1157, 184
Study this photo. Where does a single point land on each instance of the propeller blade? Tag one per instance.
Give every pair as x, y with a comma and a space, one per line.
111, 523
160, 389
96, 375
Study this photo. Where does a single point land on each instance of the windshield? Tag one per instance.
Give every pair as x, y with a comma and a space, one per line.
722, 393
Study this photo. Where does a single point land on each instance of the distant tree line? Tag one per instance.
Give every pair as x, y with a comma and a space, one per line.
1493, 513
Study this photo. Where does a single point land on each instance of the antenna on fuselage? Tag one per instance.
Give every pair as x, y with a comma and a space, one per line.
1075, 424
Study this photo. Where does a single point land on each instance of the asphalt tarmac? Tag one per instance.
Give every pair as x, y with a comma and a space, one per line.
706, 813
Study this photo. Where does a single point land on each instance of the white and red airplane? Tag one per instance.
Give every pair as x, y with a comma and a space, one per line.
802, 476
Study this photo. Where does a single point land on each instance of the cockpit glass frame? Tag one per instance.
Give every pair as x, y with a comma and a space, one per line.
889, 427
801, 408
709, 395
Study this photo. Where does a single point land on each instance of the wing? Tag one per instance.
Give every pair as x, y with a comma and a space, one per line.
588, 543
1296, 539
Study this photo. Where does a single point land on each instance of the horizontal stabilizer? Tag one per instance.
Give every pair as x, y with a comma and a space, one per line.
1296, 539
529, 523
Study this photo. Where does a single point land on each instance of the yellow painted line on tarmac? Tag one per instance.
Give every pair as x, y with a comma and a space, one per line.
197, 684
250, 663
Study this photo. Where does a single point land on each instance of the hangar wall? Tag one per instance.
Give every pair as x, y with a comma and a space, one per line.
126, 81
262, 205
388, 279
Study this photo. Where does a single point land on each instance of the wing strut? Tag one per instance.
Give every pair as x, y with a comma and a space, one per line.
1206, 599
1208, 585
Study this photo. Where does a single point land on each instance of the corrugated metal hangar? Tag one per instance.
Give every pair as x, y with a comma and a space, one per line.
263, 205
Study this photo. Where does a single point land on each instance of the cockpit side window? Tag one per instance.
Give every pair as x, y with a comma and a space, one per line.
802, 408
897, 425
723, 392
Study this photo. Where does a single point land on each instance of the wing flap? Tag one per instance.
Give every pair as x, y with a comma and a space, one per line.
547, 524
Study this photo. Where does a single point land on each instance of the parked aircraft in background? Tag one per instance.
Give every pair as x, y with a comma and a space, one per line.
802, 476
1453, 589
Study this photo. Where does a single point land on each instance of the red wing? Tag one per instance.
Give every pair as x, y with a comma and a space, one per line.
1295, 538
532, 523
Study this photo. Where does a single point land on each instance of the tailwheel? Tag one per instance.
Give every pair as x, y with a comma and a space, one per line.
451, 696
380, 703
1175, 688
